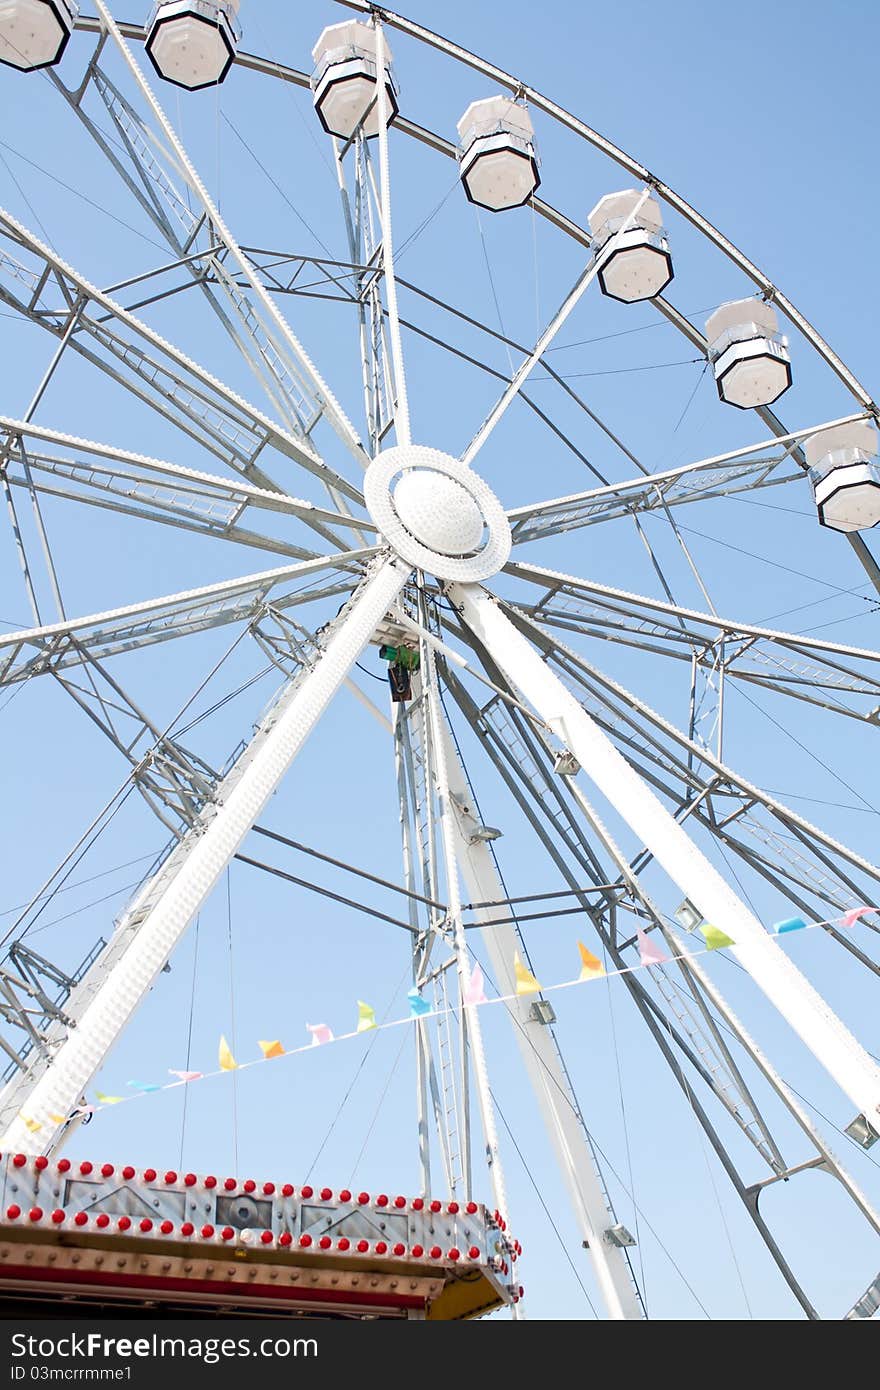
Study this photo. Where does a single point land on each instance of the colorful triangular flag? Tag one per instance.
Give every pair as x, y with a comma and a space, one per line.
58, 1119
225, 1057
33, 1125
366, 1017
271, 1049
108, 1100
417, 1005
715, 938
320, 1033
850, 918
649, 952
145, 1086
591, 966
184, 1076
790, 924
476, 989
525, 980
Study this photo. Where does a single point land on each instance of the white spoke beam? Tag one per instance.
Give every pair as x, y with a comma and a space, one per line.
524, 370
276, 326
154, 923
854, 1071
826, 674
33, 651
718, 476
401, 398
539, 1057
237, 416
130, 480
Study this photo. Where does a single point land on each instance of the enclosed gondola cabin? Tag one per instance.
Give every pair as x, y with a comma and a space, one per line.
640, 264
192, 43
498, 162
344, 82
749, 356
34, 33
845, 475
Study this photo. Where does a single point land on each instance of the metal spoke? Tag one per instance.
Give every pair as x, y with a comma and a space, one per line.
819, 671
720, 476
274, 325
524, 370
35, 651
158, 490
150, 366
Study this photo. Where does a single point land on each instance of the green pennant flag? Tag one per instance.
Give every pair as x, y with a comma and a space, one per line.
715, 938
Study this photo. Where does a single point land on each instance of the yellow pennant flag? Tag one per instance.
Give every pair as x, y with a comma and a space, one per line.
591, 966
33, 1125
108, 1100
58, 1119
271, 1049
525, 980
366, 1017
225, 1057
715, 938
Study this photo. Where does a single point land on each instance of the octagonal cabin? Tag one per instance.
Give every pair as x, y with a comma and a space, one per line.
192, 43
344, 83
845, 476
34, 33
497, 159
749, 356
640, 266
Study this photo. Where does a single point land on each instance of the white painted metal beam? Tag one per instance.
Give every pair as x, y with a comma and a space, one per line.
843, 1057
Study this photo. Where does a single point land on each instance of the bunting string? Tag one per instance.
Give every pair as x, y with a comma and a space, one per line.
651, 954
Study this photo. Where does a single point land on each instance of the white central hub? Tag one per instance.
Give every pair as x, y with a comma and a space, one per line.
436, 513
439, 512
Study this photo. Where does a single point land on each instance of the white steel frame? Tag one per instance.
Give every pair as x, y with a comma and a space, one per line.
527, 667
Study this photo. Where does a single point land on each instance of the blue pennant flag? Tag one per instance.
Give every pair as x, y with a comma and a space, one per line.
417, 1005
790, 924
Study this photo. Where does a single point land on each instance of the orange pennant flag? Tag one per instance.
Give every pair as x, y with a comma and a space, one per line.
271, 1049
591, 966
225, 1057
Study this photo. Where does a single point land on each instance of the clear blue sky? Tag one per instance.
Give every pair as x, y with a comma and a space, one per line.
764, 118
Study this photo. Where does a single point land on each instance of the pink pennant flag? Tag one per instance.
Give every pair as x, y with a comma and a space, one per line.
649, 952
476, 991
850, 918
320, 1033
184, 1076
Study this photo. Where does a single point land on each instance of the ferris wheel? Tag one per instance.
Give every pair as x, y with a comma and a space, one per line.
419, 501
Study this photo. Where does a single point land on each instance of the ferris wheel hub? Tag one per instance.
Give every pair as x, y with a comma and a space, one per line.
437, 513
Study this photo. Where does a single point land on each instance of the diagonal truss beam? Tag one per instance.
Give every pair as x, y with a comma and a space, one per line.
160, 913
854, 1071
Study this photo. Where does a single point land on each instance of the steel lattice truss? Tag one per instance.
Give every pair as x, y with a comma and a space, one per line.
332, 558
